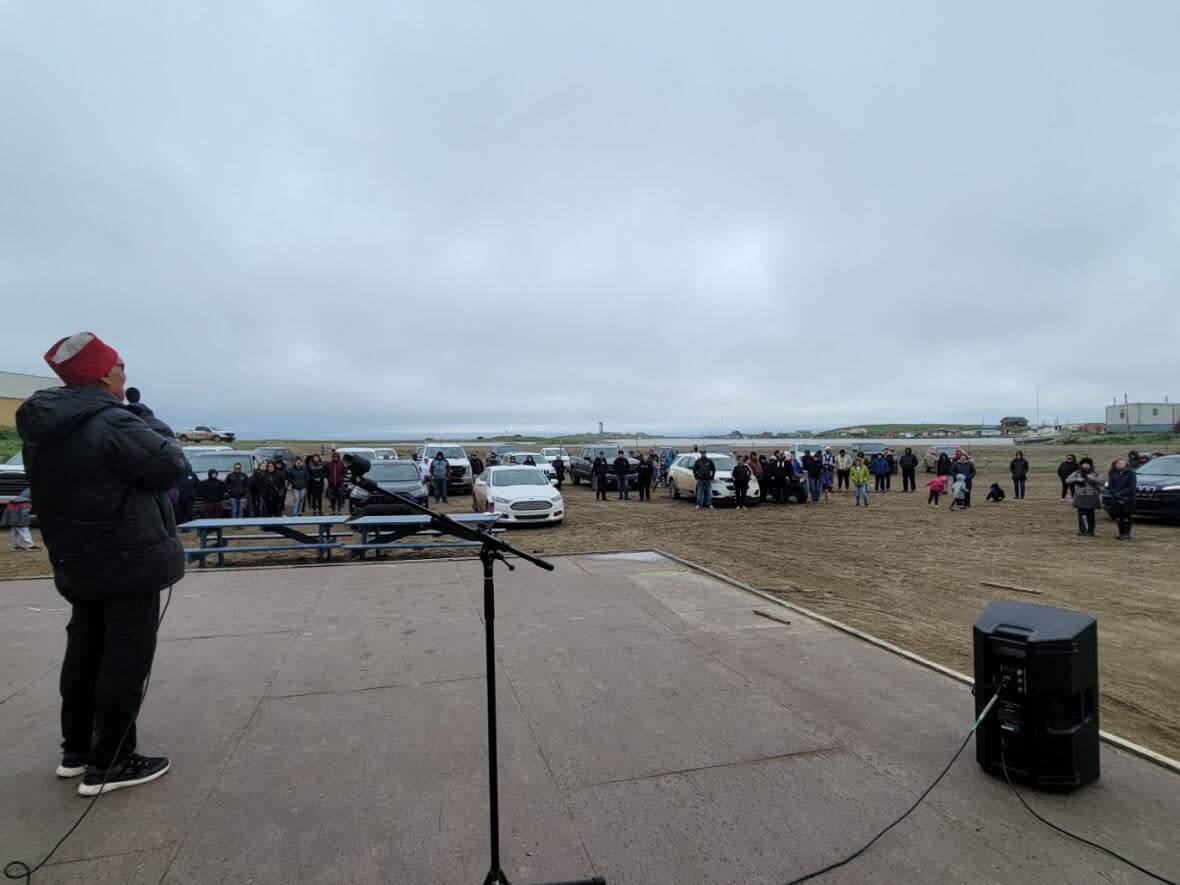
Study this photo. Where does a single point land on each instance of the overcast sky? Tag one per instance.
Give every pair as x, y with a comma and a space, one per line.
394, 218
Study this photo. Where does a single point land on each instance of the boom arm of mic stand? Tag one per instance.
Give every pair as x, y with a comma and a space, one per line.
455, 527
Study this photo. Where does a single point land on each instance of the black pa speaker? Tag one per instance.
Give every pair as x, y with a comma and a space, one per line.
1047, 715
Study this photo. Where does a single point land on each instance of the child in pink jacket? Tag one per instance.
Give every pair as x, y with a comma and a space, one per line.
937, 487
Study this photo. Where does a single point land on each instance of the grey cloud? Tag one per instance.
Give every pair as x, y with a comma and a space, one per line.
410, 218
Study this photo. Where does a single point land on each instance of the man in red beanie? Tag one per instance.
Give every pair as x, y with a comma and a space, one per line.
98, 471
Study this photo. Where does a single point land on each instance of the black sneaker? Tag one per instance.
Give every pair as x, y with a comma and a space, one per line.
72, 765
132, 772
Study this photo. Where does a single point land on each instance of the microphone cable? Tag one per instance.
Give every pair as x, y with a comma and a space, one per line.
18, 869
987, 709
1065, 832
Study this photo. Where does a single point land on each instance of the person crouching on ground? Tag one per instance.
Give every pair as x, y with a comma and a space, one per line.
212, 490
995, 494
1087, 495
99, 474
741, 482
17, 515
959, 493
1122, 482
937, 488
859, 474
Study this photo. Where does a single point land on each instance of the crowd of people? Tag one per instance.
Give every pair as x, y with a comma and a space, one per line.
263, 492
812, 475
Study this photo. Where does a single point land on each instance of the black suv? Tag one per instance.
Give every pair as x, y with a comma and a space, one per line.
582, 466
1157, 489
393, 478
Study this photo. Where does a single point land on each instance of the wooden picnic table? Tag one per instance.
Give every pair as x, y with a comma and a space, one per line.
291, 527
390, 532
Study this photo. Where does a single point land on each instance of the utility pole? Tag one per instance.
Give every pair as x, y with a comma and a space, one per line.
1127, 412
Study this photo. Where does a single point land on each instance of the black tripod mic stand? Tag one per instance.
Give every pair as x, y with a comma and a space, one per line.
492, 548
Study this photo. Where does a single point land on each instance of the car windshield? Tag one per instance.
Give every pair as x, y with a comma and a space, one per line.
271, 452
722, 462
222, 462
536, 456
394, 471
514, 477
449, 452
1160, 467
17, 459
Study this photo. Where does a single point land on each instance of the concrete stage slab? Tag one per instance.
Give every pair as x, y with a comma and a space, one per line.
326, 724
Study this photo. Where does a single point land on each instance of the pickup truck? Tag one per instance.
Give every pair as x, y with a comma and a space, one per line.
206, 433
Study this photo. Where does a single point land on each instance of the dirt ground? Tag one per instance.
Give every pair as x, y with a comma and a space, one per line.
911, 574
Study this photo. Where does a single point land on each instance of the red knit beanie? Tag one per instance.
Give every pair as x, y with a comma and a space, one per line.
81, 359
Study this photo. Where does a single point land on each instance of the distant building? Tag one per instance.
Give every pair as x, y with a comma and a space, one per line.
990, 431
1013, 424
15, 388
856, 431
1142, 417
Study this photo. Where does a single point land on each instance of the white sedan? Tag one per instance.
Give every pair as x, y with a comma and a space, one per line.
684, 484
518, 493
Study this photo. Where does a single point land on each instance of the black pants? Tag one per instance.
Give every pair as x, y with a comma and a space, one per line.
109, 649
1124, 524
1086, 520
184, 511
1018, 486
888, 481
779, 490
967, 497
909, 482
763, 488
644, 489
560, 480
315, 496
842, 479
1064, 488
255, 503
600, 488
740, 493
932, 498
880, 484
336, 497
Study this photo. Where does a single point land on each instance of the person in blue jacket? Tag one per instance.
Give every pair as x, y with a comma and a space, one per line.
879, 467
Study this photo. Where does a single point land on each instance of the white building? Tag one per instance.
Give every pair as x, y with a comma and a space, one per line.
1138, 417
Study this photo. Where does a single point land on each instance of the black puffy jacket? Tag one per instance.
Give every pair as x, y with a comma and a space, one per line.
98, 474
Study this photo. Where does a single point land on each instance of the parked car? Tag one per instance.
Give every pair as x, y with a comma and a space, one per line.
682, 483
538, 459
930, 459
270, 453
368, 454
460, 477
385, 454
12, 478
552, 452
206, 432
223, 463
193, 450
581, 465
520, 494
1157, 488
393, 478
869, 449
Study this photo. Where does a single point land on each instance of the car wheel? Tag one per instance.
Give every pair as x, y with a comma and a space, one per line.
183, 437
675, 490
801, 497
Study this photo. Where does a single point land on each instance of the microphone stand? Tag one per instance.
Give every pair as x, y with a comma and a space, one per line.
492, 549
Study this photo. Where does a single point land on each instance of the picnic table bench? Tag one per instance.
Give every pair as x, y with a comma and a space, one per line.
380, 533
212, 540
377, 533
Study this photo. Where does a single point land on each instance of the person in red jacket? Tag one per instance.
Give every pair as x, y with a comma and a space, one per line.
336, 474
